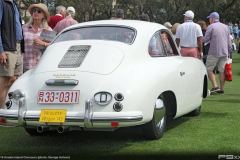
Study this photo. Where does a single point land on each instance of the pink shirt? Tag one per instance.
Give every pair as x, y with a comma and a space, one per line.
66, 22
32, 55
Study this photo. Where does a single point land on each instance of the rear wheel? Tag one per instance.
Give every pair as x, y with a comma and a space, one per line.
155, 128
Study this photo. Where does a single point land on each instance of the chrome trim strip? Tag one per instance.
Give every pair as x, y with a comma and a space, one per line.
96, 119
12, 117
88, 114
74, 119
119, 119
31, 117
21, 112
61, 82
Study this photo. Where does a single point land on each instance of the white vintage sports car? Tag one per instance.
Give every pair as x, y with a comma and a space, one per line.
104, 75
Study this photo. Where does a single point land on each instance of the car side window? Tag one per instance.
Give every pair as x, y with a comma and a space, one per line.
155, 47
169, 44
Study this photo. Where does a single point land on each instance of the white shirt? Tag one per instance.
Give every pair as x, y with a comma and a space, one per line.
58, 15
188, 33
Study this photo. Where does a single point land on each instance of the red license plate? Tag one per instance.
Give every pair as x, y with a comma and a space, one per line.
58, 97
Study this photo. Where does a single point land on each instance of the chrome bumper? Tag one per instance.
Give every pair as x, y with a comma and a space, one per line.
85, 119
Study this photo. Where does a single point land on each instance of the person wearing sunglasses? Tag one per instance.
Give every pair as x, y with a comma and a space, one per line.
10, 47
31, 32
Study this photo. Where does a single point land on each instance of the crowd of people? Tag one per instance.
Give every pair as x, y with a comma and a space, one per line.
212, 44
21, 47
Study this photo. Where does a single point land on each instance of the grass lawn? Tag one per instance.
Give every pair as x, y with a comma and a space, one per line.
214, 132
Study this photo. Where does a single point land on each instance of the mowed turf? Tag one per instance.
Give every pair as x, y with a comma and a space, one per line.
214, 132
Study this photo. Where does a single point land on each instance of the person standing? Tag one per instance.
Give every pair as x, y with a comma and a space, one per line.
66, 22
235, 30
168, 25
174, 29
230, 27
219, 36
189, 37
60, 15
119, 14
11, 62
32, 31
205, 45
144, 17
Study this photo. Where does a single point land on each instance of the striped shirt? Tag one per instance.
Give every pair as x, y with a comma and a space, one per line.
32, 55
219, 36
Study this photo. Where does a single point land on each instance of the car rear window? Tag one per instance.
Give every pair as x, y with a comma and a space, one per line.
120, 34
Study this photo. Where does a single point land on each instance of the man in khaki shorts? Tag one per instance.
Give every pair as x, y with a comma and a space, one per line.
220, 47
11, 61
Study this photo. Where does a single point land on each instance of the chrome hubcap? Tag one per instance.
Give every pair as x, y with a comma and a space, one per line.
159, 124
159, 113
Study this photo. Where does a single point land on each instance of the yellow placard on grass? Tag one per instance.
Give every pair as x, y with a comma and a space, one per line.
52, 115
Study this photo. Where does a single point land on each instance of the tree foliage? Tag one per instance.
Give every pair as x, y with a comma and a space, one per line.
159, 11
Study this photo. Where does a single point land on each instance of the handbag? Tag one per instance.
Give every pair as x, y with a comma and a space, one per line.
228, 70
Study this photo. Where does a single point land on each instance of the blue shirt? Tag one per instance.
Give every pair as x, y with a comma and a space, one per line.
235, 29
18, 24
230, 29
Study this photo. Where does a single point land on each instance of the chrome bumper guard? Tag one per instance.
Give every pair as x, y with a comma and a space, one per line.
21, 112
88, 118
88, 114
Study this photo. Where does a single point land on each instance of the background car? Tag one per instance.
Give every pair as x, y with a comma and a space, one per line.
104, 75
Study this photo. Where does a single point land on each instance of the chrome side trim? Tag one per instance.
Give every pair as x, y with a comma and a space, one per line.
88, 114
21, 112
10, 117
61, 82
74, 119
96, 119
119, 119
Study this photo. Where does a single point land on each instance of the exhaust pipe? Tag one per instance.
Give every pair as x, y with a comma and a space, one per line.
40, 129
61, 129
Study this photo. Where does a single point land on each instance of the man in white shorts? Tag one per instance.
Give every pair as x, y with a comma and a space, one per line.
220, 47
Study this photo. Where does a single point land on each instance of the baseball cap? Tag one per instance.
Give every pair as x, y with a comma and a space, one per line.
213, 15
71, 9
189, 14
167, 24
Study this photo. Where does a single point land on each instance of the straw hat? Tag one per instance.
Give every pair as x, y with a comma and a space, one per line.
42, 7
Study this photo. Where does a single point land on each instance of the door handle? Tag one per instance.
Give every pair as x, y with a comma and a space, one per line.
182, 73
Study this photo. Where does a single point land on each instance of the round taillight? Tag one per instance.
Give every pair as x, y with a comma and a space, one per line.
8, 104
119, 96
10, 95
117, 106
